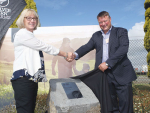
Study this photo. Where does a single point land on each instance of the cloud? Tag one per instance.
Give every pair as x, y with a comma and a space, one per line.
137, 31
114, 24
79, 13
53, 4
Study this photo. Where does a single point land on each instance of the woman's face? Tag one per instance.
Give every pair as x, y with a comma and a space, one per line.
30, 22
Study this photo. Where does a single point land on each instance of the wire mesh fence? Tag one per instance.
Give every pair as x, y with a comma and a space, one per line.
138, 56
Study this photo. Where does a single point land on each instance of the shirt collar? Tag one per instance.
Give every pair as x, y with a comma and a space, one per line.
108, 31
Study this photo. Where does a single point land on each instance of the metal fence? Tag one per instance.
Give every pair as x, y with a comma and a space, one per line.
138, 56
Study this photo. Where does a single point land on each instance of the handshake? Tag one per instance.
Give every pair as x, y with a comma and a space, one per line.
70, 56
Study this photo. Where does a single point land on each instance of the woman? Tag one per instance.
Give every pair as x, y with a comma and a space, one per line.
28, 67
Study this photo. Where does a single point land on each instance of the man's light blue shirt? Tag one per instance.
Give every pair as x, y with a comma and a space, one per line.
105, 45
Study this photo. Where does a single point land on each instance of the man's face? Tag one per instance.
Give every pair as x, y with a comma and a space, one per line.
104, 23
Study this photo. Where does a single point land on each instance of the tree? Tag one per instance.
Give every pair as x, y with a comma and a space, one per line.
147, 32
30, 4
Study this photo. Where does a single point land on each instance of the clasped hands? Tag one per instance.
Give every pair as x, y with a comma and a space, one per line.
70, 56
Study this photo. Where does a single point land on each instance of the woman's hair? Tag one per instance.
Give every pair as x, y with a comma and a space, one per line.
25, 13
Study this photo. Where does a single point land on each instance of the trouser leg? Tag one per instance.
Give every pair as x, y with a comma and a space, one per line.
121, 96
25, 92
113, 94
125, 98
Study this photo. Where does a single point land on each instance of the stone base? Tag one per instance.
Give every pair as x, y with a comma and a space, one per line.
59, 102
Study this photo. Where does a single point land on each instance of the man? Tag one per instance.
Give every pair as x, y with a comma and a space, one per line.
111, 44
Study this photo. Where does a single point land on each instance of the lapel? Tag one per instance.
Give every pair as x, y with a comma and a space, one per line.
101, 39
111, 39
101, 42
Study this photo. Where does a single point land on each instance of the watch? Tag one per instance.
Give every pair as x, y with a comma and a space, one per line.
107, 65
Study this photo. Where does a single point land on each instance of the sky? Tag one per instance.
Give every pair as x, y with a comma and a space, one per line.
128, 14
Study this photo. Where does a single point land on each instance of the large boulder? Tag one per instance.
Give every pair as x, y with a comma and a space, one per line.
71, 96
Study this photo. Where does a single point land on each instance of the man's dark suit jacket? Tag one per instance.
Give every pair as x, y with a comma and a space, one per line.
121, 66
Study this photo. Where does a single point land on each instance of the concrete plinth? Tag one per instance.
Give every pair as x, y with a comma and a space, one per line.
60, 103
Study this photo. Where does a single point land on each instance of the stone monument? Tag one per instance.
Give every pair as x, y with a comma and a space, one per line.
71, 96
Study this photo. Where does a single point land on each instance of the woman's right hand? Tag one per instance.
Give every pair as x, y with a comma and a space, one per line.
70, 57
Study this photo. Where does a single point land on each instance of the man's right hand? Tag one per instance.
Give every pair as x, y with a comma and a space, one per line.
71, 57
103, 66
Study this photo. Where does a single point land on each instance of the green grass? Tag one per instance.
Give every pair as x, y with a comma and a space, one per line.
141, 98
6, 95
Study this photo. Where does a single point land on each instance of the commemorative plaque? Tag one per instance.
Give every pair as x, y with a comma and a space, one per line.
71, 90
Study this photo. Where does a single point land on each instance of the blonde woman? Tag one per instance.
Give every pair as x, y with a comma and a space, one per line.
28, 67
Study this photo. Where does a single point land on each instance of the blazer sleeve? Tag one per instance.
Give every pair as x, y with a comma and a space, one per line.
121, 50
86, 48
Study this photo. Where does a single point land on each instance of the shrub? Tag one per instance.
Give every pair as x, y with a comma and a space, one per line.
147, 32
